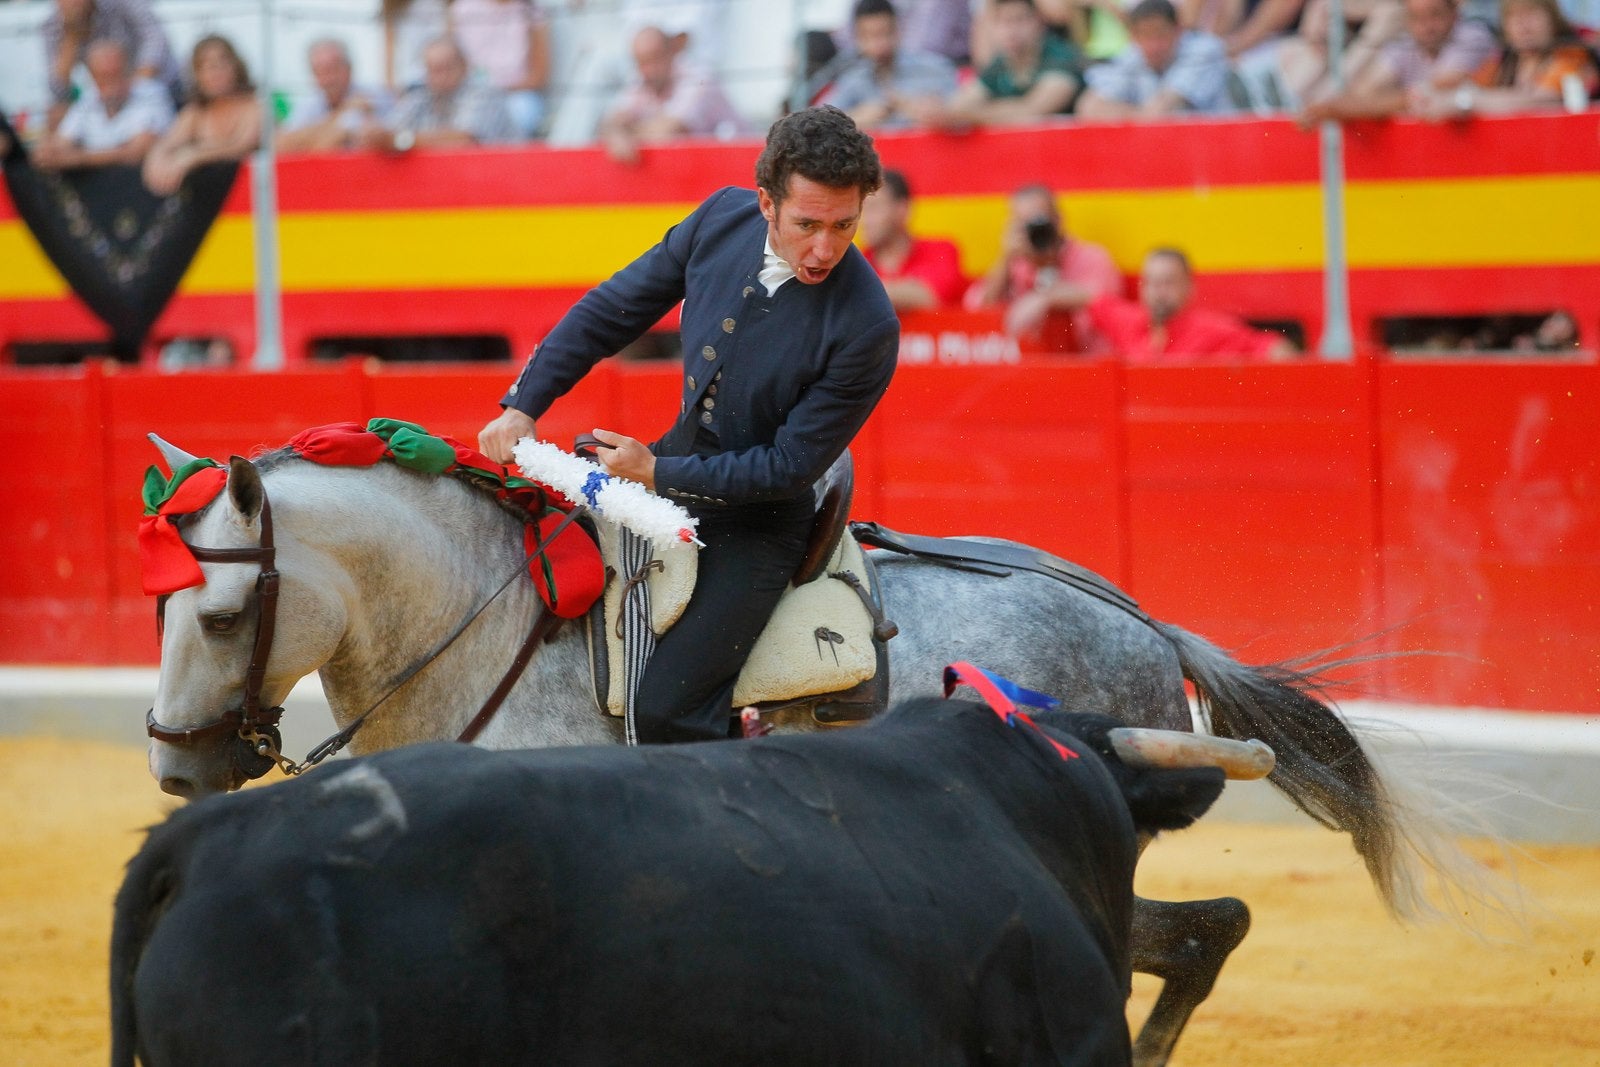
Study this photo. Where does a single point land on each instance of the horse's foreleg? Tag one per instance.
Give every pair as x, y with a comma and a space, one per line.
1184, 943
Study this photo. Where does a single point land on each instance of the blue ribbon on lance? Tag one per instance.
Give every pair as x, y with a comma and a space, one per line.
592, 485
1003, 695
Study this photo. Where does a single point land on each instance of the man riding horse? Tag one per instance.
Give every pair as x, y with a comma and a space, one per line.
777, 380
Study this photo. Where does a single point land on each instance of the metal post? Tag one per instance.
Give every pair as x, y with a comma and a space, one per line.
264, 204
1337, 340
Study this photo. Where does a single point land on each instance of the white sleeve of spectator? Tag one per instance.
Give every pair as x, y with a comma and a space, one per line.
849, 90
1114, 79
154, 112
931, 75
72, 124
1200, 73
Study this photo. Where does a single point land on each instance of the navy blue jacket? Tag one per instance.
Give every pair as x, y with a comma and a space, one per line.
784, 382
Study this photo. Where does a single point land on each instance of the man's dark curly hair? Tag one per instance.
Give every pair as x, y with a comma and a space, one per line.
822, 144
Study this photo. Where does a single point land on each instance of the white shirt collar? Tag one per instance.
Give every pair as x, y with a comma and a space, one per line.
774, 271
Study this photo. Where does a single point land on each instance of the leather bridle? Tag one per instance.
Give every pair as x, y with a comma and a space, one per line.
254, 729
249, 724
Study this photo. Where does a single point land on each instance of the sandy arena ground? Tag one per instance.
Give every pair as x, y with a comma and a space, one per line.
1324, 977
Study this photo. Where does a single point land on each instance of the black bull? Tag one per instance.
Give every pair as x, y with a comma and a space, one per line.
938, 887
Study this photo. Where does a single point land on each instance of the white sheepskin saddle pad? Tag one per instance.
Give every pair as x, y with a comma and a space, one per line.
818, 641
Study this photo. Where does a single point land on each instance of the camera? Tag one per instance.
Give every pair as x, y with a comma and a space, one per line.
1042, 234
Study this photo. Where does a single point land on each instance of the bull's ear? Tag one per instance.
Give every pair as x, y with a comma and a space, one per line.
1170, 799
244, 487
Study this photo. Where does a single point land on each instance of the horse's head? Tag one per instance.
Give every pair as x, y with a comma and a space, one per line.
210, 635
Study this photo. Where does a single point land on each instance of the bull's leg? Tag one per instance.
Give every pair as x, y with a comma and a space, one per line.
1184, 943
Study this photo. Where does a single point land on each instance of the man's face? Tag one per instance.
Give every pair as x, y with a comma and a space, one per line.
214, 72
813, 227
883, 218
1429, 23
652, 55
1157, 41
443, 69
1164, 287
330, 71
108, 66
876, 38
1018, 31
1528, 27
1032, 206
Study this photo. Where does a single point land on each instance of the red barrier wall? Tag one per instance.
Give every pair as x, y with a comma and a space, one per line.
1277, 510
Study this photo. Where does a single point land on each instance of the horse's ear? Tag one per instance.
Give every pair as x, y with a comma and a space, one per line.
244, 487
175, 456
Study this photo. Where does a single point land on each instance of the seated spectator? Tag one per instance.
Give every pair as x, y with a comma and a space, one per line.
446, 110
1542, 61
1302, 61
1163, 326
507, 42
1164, 70
1033, 75
221, 122
887, 85
669, 98
1437, 53
117, 125
73, 25
1042, 269
340, 113
1065, 20
917, 272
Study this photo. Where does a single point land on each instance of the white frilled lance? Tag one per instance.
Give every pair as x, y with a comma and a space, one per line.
643, 519
624, 502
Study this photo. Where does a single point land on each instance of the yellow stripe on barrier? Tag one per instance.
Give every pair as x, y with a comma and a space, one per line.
25, 273
1236, 228
1551, 220
463, 249
1467, 222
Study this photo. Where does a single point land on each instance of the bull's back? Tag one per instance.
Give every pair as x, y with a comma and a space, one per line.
441, 903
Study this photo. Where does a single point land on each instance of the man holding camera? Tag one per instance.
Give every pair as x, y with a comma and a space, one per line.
1043, 270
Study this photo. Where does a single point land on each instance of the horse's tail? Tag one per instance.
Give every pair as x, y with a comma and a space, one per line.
147, 887
1323, 769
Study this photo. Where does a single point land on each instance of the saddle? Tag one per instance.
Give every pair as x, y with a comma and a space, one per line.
822, 651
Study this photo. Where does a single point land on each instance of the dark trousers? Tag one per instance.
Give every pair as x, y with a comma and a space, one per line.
750, 554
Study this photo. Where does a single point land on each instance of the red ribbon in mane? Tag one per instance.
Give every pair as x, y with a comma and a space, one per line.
569, 574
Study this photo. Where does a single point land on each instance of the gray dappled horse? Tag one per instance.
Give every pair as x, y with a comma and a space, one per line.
378, 564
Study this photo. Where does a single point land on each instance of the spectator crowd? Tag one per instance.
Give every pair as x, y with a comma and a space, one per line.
458, 73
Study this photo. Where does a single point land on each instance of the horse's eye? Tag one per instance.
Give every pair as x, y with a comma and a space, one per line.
221, 623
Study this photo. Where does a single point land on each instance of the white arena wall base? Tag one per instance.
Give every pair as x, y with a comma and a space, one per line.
1528, 775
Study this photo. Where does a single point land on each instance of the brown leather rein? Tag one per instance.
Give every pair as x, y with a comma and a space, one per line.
256, 728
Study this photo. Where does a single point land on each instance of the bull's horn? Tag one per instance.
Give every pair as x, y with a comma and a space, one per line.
1167, 749
175, 456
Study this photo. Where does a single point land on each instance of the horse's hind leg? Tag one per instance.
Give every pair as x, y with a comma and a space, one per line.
1184, 943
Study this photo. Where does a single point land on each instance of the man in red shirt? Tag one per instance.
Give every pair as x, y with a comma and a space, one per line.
1043, 270
1162, 326
917, 272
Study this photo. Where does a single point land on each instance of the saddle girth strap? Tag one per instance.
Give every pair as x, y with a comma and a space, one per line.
953, 551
